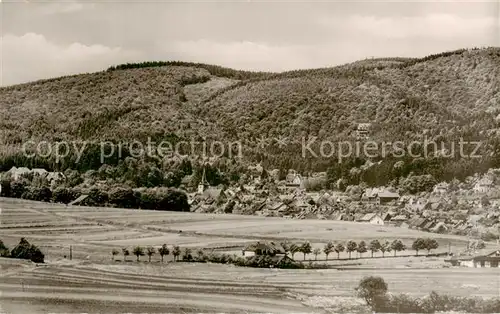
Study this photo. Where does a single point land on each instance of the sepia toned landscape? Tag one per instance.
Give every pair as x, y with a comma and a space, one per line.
249, 157
75, 285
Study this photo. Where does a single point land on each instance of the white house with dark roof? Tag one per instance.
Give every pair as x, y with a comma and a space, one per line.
17, 173
372, 218
484, 185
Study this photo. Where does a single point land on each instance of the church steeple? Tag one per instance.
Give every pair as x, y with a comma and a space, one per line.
203, 183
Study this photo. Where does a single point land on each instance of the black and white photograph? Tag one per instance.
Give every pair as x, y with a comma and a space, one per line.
249, 156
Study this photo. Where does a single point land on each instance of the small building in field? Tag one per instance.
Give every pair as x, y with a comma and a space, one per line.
263, 248
488, 260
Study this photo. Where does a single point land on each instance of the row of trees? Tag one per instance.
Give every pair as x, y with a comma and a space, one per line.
24, 250
163, 251
361, 247
186, 255
293, 248
158, 199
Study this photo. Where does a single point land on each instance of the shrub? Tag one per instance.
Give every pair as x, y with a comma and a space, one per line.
25, 250
5, 188
96, 197
174, 200
4, 250
371, 289
42, 194
123, 197
17, 188
148, 200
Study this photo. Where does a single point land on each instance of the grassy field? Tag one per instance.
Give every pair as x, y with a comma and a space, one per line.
93, 282
94, 232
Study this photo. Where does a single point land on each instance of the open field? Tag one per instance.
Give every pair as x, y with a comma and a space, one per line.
189, 288
93, 232
91, 282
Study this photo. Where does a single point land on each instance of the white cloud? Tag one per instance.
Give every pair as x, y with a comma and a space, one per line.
241, 55
61, 7
32, 56
432, 26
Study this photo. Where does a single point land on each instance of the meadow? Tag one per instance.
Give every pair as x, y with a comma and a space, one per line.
92, 281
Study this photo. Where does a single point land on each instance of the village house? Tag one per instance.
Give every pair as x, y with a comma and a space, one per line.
372, 218
441, 188
379, 196
294, 182
483, 185
398, 220
363, 131
386, 197
263, 248
17, 173
488, 260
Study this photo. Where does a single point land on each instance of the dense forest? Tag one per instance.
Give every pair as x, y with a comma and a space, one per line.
442, 98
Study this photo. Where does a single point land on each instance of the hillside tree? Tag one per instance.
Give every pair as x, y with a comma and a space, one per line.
138, 251
430, 244
361, 248
328, 249
163, 251
126, 253
150, 251
374, 246
339, 248
176, 251
305, 249
397, 246
351, 247
419, 244
316, 252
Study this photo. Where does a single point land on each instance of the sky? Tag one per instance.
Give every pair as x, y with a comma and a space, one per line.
54, 38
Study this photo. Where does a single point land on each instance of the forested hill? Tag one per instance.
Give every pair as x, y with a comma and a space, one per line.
443, 97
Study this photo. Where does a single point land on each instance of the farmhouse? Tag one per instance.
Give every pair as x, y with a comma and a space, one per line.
17, 173
363, 131
386, 197
372, 218
483, 186
263, 248
489, 260
294, 181
441, 188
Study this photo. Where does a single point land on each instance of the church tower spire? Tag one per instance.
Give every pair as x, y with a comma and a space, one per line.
203, 183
